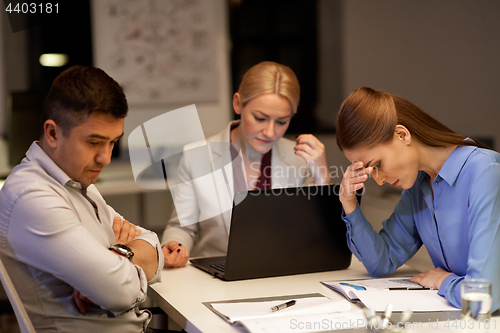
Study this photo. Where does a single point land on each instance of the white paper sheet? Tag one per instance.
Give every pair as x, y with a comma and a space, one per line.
307, 323
415, 300
311, 305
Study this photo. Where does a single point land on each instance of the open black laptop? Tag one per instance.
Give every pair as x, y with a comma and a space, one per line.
283, 232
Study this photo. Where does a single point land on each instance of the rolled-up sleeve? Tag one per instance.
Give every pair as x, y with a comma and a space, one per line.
152, 239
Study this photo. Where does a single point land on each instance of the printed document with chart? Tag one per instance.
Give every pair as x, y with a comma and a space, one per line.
400, 292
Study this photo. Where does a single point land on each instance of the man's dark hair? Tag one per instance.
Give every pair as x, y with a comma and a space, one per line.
77, 92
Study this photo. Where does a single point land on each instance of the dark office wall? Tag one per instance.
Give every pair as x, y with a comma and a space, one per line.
69, 33
441, 55
281, 31
329, 24
14, 50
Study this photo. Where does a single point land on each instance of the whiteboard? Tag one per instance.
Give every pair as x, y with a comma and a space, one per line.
159, 51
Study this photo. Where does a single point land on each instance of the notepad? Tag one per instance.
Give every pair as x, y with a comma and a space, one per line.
350, 288
237, 311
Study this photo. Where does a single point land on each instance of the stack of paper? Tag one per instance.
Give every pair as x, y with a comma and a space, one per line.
350, 288
404, 295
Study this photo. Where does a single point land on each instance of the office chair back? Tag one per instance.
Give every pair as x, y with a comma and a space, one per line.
23, 320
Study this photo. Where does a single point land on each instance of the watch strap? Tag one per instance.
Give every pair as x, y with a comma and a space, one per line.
123, 250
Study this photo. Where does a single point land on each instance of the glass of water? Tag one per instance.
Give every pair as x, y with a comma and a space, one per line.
476, 299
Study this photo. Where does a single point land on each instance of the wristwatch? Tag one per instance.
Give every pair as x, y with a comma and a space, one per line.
123, 250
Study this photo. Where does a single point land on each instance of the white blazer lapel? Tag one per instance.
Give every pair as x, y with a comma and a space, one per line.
220, 156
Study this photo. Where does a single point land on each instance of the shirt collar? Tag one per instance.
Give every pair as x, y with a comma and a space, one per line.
36, 154
454, 163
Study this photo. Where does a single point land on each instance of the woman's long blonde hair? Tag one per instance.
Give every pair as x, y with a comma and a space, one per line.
270, 77
368, 117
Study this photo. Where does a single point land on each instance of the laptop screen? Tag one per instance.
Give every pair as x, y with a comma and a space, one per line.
287, 231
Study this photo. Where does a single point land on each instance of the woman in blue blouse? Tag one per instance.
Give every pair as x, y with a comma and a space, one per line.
450, 200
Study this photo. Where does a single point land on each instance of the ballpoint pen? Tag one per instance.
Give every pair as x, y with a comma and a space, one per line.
282, 306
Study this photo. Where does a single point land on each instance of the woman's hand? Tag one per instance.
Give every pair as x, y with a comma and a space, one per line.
432, 278
354, 178
313, 151
175, 254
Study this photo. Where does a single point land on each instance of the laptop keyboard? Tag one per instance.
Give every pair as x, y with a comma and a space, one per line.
220, 267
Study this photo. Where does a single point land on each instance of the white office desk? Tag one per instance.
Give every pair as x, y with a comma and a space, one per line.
182, 291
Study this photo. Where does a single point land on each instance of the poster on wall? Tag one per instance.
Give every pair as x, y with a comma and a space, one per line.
159, 51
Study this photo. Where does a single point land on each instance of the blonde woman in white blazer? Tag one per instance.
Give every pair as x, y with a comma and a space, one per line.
266, 100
